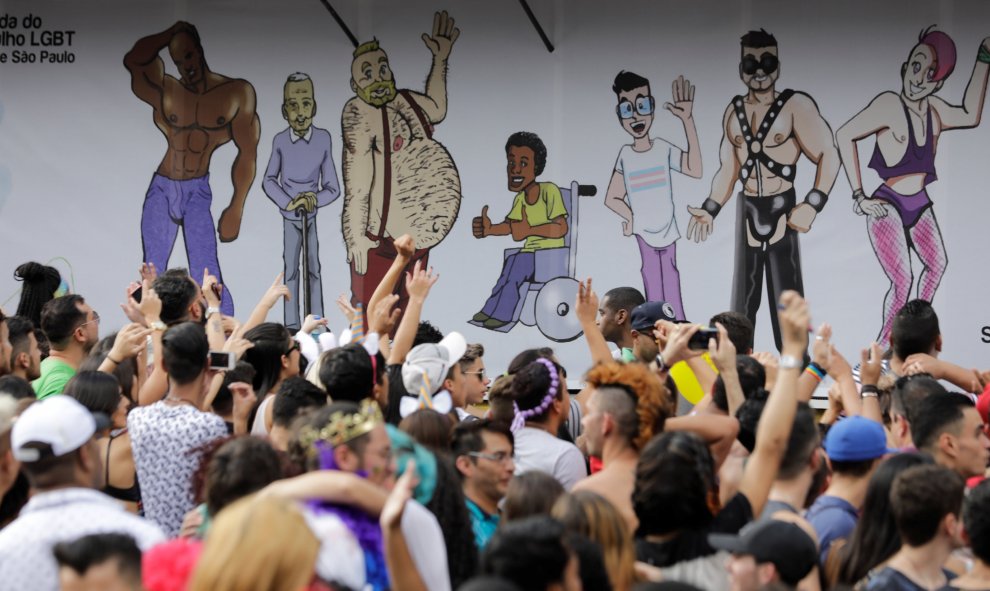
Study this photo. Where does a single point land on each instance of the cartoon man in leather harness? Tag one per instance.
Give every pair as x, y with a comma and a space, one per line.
765, 133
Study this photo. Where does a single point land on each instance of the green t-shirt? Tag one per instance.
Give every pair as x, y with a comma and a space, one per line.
549, 206
54, 375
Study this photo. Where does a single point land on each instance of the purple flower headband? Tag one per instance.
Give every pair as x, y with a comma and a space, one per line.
520, 416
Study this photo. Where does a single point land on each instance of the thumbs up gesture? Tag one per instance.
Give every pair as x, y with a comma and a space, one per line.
481, 225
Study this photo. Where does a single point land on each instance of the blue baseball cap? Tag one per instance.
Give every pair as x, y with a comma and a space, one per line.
855, 439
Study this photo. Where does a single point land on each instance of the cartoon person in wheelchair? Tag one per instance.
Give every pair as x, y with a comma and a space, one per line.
537, 285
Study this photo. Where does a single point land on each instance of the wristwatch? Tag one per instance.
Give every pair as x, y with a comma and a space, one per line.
790, 362
211, 311
158, 325
660, 364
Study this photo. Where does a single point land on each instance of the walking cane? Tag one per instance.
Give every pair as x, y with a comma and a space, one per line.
301, 212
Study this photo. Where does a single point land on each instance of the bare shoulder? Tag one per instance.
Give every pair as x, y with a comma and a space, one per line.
801, 103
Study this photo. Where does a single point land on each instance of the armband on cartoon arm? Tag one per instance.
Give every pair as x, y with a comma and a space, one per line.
983, 55
712, 207
816, 199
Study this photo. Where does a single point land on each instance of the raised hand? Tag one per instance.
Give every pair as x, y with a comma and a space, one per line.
345, 307
383, 318
277, 291
821, 350
131, 340
444, 36
481, 225
683, 96
627, 228
871, 365
586, 307
794, 318
151, 304
420, 281
677, 344
722, 351
405, 246
701, 224
148, 271
211, 289
312, 322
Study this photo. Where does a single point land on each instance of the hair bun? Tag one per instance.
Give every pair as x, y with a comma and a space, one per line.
31, 271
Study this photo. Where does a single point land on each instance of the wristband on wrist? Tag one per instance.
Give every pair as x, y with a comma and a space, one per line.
712, 207
210, 311
816, 199
983, 55
869, 390
858, 194
790, 362
815, 370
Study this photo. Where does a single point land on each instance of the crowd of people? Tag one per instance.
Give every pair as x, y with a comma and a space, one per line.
192, 450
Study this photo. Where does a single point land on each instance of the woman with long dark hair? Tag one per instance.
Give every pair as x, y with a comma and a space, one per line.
275, 357
875, 538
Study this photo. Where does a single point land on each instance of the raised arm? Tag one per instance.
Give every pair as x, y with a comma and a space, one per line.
778, 414
418, 286
405, 246
146, 66
245, 131
586, 309
434, 102
682, 95
971, 111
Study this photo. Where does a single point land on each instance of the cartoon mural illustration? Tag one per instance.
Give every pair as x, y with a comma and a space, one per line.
640, 191
765, 133
301, 177
899, 213
397, 178
197, 113
537, 284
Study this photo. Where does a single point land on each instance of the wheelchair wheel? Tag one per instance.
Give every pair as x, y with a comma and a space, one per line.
555, 315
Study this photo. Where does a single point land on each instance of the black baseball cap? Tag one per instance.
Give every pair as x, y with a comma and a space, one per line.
645, 315
785, 545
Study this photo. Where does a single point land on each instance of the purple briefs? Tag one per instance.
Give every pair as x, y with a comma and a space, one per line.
910, 207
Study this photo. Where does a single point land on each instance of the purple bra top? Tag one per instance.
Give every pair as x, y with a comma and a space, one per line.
917, 159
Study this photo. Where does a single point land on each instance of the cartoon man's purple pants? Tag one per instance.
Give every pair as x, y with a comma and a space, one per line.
661, 279
170, 204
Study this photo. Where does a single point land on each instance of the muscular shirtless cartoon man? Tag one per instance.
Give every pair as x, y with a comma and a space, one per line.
198, 112
765, 133
397, 178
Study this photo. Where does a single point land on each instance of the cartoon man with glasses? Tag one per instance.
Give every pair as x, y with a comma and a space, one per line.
640, 190
765, 132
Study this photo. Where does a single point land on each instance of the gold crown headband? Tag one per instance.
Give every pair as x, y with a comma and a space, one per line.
343, 427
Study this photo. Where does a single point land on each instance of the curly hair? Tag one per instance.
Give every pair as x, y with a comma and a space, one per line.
654, 404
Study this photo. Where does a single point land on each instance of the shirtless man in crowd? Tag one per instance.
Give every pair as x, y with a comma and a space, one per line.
198, 112
397, 178
765, 133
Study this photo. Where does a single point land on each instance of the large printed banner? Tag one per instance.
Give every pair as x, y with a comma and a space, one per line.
708, 154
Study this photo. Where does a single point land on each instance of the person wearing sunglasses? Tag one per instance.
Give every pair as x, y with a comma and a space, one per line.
765, 133
640, 191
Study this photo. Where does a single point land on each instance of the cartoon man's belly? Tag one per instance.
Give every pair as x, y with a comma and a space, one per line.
426, 192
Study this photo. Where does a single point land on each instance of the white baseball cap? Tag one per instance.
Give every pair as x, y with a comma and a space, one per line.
59, 422
432, 361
